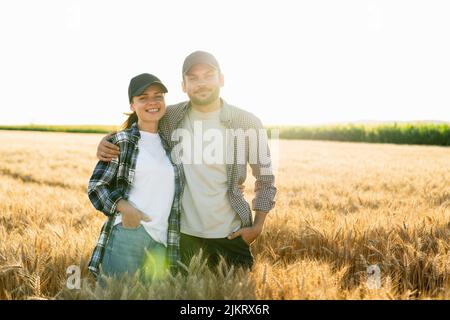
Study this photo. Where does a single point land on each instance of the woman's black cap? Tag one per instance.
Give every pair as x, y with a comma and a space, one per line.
140, 83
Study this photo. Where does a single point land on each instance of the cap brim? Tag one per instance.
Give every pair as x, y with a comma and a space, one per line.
142, 89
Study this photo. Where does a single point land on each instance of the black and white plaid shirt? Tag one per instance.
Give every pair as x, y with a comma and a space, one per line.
112, 181
235, 119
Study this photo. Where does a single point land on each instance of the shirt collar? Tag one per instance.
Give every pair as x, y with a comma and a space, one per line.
225, 112
135, 134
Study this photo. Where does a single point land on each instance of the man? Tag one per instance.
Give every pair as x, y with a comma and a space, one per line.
215, 216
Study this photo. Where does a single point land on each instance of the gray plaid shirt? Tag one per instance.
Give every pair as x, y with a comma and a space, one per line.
234, 118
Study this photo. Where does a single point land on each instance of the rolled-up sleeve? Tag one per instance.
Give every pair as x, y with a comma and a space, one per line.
103, 191
262, 170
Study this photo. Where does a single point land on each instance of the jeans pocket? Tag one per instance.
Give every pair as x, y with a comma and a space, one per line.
243, 241
110, 242
106, 259
121, 227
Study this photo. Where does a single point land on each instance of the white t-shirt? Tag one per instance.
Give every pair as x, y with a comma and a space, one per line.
153, 186
207, 211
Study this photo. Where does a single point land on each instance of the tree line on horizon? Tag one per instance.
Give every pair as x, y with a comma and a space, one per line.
404, 133
422, 134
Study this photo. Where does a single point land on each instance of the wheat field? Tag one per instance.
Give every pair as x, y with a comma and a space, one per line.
341, 208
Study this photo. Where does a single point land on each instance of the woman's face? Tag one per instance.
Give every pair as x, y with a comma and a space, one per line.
150, 106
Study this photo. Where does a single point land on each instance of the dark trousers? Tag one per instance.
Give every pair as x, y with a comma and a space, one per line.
236, 252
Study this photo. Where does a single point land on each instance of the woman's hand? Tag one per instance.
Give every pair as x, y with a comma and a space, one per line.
106, 151
131, 217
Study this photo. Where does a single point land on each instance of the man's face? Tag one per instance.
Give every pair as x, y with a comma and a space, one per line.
202, 84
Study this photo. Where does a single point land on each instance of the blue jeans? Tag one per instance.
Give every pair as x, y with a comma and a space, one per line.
130, 250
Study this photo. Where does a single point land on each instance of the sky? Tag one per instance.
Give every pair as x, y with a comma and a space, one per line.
288, 62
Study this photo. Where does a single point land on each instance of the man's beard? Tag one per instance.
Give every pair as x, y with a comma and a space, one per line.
208, 100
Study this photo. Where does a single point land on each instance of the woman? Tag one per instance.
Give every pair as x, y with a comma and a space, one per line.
139, 191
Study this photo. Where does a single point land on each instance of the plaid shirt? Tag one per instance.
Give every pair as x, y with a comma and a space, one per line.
112, 181
233, 118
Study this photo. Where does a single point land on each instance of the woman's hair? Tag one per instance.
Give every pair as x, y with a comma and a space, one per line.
132, 118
